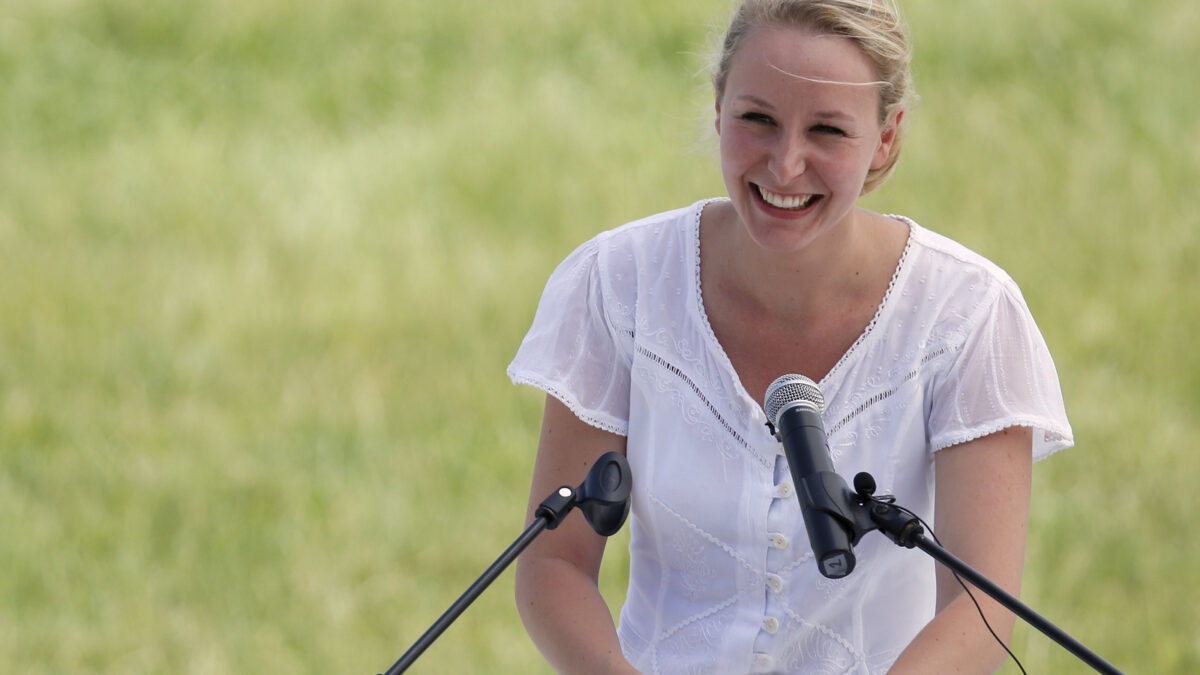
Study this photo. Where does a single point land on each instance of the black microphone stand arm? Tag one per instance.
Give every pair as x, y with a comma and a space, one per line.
861, 511
603, 498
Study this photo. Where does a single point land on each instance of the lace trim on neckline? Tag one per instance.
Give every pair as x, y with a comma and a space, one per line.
883, 304
749, 403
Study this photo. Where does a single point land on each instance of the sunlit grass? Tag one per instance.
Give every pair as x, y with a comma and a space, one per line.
263, 264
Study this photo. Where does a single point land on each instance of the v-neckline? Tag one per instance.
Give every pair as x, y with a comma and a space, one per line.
831, 377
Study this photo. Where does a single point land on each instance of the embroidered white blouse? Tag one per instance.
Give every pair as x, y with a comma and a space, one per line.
722, 578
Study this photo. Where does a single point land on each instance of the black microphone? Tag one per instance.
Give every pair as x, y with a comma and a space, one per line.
793, 405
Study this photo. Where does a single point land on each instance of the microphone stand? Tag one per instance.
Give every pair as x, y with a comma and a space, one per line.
861, 511
603, 497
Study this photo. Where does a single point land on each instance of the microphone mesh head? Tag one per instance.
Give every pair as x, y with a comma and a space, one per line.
788, 391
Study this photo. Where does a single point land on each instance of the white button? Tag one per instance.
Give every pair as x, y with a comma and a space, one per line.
786, 490
771, 625
779, 541
763, 660
774, 583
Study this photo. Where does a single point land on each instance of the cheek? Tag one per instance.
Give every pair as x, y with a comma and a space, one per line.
733, 155
849, 165
740, 148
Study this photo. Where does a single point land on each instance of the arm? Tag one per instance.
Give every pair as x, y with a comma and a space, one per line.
556, 579
981, 516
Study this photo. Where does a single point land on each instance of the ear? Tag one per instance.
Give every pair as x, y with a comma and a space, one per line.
887, 138
717, 119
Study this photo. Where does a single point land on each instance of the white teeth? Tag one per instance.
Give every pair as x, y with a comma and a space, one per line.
779, 201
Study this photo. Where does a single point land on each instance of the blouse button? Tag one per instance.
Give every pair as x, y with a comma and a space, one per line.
786, 490
763, 661
771, 625
774, 583
779, 541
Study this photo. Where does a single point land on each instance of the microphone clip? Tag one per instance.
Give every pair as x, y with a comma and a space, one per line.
881, 513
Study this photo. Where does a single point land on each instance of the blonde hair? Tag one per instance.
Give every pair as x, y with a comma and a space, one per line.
875, 27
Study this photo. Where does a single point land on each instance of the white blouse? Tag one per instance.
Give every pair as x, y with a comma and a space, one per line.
722, 578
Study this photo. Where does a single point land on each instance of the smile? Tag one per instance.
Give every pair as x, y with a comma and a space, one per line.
787, 202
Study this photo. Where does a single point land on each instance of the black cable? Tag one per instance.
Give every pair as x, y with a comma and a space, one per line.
968, 590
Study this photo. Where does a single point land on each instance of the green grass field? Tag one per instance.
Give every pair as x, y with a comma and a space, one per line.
263, 263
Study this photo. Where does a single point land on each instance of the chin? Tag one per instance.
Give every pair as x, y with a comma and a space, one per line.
789, 233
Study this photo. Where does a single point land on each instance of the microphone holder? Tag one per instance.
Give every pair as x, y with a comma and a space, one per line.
861, 511
603, 497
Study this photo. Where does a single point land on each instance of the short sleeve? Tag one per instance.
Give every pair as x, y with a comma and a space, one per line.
573, 351
1002, 377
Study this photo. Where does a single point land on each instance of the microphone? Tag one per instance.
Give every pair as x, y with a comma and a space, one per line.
793, 404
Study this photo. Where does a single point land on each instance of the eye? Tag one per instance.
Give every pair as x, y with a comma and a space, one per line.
757, 118
828, 130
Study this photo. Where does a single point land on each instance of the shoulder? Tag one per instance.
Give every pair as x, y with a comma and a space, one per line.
646, 249
947, 266
653, 233
628, 242
616, 267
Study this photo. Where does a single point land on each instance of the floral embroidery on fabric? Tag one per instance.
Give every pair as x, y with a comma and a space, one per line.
818, 650
699, 394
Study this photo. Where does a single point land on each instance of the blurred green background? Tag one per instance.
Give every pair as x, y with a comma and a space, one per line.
263, 263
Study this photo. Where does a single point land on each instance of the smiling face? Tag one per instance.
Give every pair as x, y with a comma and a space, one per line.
799, 127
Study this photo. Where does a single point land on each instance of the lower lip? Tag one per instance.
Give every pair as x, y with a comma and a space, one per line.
782, 213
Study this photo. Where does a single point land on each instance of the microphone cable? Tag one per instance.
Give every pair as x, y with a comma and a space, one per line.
890, 501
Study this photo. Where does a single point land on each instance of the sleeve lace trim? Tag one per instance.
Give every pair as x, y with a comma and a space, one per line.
590, 417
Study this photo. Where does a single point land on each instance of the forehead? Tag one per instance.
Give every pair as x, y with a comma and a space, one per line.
786, 57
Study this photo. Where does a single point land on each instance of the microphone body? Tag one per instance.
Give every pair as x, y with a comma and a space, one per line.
793, 405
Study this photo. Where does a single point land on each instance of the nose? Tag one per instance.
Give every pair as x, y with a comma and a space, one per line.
789, 158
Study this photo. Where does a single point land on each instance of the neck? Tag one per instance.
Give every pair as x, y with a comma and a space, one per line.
828, 273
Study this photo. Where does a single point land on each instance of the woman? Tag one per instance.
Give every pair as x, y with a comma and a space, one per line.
659, 339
